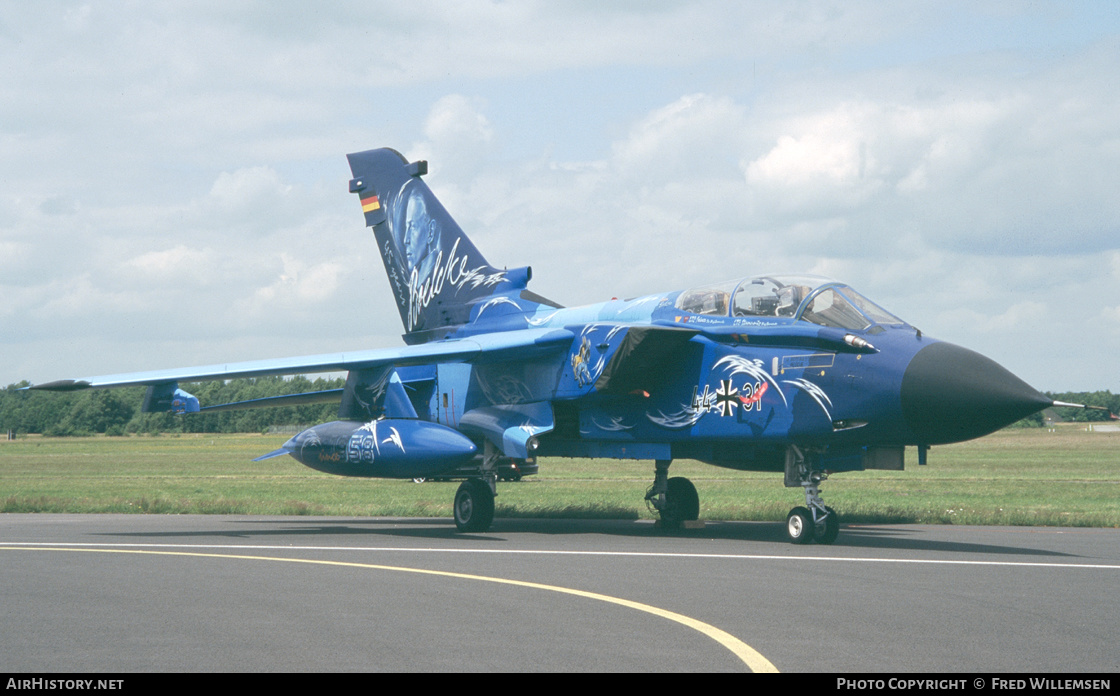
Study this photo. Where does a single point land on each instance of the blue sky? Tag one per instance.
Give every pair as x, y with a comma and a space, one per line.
173, 179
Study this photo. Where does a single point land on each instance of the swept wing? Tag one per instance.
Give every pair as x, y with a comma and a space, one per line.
510, 345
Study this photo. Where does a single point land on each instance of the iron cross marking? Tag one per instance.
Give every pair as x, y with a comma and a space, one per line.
725, 398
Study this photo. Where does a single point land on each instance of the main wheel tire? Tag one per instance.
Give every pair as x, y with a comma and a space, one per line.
474, 506
799, 526
825, 532
682, 503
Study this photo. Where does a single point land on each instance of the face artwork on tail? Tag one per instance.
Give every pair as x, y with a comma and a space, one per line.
430, 263
421, 236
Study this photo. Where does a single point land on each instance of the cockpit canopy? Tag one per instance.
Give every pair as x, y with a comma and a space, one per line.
809, 298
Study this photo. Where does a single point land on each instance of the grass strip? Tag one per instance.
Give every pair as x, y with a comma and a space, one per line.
1070, 477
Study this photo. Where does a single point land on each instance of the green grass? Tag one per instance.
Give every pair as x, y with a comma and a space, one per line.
1015, 477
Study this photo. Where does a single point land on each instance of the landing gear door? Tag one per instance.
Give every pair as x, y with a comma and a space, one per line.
450, 395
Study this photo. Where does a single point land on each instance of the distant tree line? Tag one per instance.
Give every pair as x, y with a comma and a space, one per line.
117, 411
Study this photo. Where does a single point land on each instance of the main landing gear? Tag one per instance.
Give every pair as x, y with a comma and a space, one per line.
674, 499
474, 501
474, 505
816, 521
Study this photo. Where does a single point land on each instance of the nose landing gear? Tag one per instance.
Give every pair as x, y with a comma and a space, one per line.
816, 521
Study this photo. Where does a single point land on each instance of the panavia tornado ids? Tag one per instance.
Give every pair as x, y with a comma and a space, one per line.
794, 374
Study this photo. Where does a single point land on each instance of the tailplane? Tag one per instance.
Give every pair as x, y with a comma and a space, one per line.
436, 273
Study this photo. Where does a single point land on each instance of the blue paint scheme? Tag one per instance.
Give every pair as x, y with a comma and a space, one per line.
514, 427
384, 448
799, 374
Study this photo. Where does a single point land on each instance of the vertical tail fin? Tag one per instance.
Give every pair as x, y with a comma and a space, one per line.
436, 273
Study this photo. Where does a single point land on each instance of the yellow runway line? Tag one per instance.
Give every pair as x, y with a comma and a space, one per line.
748, 655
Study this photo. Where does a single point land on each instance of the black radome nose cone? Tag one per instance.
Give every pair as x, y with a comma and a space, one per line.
952, 394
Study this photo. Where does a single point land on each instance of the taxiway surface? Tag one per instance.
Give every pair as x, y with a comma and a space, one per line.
235, 593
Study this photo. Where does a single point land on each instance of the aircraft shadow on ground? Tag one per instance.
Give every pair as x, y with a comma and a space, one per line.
887, 537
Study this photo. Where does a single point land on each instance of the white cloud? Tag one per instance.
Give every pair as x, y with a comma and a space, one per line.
855, 154
247, 186
1018, 317
176, 264
1111, 317
689, 138
298, 286
13, 254
456, 120
458, 137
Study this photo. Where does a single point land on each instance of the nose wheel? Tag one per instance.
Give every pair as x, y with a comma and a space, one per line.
799, 526
805, 525
815, 521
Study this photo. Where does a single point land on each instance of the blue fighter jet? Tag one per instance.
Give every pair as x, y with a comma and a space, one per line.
795, 374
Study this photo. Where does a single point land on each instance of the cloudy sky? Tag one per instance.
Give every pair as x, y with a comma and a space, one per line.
173, 180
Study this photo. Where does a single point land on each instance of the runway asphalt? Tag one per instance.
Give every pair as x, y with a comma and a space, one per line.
145, 593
